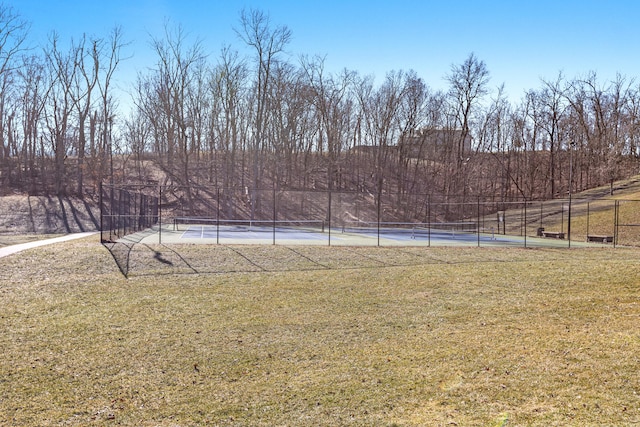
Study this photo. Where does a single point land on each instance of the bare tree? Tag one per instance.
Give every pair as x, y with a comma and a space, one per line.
525, 123
499, 170
412, 115
137, 133
553, 110
107, 53
32, 86
168, 99
268, 43
289, 106
63, 69
386, 120
333, 109
228, 87
81, 92
13, 34
467, 86
633, 123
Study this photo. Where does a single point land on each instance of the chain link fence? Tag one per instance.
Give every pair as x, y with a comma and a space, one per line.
131, 209
127, 210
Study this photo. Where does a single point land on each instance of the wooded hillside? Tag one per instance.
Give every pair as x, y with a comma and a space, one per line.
269, 120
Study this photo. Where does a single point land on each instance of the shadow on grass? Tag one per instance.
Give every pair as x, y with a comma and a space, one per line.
121, 251
141, 259
136, 259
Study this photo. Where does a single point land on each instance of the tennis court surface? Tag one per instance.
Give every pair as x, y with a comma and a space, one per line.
245, 232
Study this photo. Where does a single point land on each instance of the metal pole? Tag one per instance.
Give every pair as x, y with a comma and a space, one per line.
616, 219
329, 212
120, 227
429, 218
569, 221
571, 144
379, 197
111, 196
101, 213
504, 220
160, 216
478, 222
525, 223
588, 211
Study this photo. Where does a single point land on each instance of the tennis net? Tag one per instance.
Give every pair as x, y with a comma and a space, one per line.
246, 225
413, 229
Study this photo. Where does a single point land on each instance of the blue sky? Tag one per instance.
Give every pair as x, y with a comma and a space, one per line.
520, 41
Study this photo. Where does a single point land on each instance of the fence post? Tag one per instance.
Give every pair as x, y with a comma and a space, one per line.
160, 215
217, 215
429, 219
101, 213
541, 213
525, 223
478, 222
588, 214
379, 203
504, 220
274, 213
329, 216
569, 218
616, 219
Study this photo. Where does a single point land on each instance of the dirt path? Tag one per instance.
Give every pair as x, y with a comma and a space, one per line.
9, 250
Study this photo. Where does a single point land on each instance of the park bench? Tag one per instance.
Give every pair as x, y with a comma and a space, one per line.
553, 234
599, 238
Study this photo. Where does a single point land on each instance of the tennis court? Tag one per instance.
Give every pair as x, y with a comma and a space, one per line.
300, 217
269, 232
252, 232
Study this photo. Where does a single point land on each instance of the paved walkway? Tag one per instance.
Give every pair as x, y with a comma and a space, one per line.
8, 250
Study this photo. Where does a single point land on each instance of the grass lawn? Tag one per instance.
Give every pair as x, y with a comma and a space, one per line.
7, 239
594, 213
312, 336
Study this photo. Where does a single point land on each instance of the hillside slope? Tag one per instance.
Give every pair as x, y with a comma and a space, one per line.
22, 214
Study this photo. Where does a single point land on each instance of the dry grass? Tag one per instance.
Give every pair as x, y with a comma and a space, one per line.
599, 218
593, 213
311, 336
7, 239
